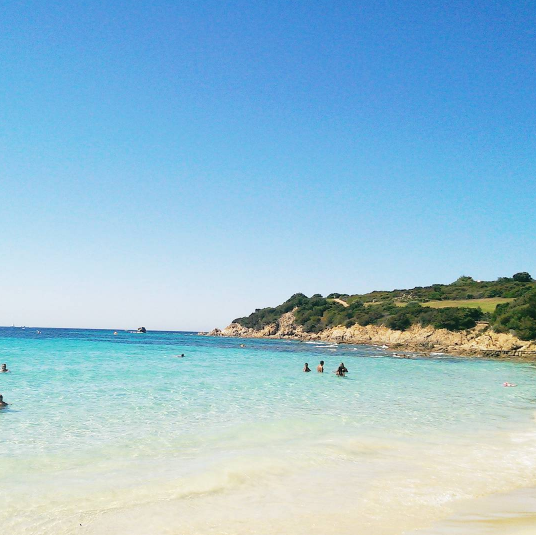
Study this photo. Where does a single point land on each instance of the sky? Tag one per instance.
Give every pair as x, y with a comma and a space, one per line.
178, 164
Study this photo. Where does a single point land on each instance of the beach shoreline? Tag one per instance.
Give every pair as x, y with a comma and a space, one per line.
478, 342
236, 428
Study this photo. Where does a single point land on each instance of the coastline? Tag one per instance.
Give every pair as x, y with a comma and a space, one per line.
480, 341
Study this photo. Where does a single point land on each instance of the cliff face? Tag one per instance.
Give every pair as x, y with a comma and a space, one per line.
472, 342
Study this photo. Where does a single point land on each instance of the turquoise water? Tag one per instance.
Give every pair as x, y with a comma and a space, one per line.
102, 428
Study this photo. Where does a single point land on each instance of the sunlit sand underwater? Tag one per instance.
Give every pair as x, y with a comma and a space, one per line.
113, 434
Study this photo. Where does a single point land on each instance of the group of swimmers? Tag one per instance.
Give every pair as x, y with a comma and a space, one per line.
341, 371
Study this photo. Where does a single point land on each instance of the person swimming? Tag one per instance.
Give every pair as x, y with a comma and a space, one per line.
4, 368
320, 367
181, 356
341, 370
509, 384
2, 402
306, 368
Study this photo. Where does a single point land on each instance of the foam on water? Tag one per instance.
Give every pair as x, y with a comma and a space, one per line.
117, 434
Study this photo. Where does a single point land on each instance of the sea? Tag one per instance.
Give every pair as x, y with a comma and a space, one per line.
112, 433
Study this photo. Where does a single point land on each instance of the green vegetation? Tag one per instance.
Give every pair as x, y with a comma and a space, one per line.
509, 304
265, 316
522, 277
518, 317
463, 288
487, 304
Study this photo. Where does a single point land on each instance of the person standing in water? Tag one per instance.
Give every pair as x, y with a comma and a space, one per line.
341, 370
2, 402
320, 367
4, 368
306, 367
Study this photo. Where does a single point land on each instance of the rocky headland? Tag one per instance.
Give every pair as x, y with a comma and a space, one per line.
478, 341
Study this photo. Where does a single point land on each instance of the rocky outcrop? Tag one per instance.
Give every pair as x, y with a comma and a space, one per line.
284, 328
478, 341
472, 341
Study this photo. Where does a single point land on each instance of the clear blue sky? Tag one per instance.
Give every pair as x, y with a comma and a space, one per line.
178, 164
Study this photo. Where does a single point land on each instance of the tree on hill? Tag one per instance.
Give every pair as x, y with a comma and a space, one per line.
464, 279
523, 276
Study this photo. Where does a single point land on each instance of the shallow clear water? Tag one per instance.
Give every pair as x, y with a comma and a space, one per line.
113, 434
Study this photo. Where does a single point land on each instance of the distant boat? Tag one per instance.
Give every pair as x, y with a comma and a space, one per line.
142, 330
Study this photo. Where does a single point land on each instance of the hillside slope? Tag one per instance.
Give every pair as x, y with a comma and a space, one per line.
399, 309
402, 317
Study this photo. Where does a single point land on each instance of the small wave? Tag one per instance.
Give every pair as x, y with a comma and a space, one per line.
354, 448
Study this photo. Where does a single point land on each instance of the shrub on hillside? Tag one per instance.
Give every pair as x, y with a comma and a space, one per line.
518, 316
456, 318
399, 322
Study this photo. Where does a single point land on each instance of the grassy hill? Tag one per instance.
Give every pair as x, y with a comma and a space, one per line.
506, 303
487, 304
